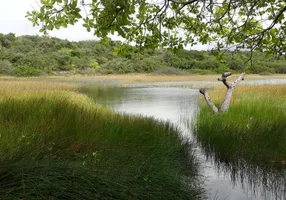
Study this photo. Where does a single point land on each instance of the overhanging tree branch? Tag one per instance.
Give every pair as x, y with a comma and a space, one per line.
235, 22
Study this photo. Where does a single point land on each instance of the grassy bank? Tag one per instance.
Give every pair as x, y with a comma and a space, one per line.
148, 78
254, 129
58, 144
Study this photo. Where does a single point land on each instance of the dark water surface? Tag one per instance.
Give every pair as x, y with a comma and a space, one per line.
180, 107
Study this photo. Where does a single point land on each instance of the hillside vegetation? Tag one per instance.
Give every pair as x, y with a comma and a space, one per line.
36, 55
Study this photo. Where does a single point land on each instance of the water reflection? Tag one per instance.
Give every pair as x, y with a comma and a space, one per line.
255, 181
176, 105
223, 179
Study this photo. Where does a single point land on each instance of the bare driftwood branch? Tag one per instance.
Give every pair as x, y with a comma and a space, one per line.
226, 102
204, 92
230, 87
223, 78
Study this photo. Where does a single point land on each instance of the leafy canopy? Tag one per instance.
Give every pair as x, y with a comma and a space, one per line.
243, 24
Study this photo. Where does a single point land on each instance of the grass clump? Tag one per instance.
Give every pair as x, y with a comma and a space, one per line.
253, 129
61, 145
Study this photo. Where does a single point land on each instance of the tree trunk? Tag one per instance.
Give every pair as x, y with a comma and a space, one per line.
230, 87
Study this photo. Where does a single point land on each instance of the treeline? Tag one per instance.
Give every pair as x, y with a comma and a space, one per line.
39, 55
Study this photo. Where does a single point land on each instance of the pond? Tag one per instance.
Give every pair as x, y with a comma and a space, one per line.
180, 107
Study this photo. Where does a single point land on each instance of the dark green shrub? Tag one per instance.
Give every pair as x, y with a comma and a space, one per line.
101, 60
5, 67
211, 63
7, 54
36, 60
222, 68
119, 65
183, 63
146, 65
281, 69
257, 68
27, 71
18, 57
235, 63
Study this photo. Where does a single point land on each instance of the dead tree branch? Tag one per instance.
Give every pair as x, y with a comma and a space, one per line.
230, 87
204, 92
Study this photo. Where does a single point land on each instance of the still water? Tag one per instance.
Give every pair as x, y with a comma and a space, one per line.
180, 107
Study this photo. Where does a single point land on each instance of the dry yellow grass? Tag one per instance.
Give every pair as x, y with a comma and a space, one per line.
142, 78
263, 91
10, 86
17, 88
134, 78
145, 78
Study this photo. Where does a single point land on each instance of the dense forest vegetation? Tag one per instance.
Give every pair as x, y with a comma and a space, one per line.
40, 55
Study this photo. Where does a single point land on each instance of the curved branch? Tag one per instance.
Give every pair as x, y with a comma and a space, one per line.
223, 78
204, 92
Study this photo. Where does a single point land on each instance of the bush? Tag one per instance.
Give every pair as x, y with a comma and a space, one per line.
5, 67
209, 63
281, 69
119, 65
88, 71
221, 69
36, 60
183, 63
27, 71
235, 63
257, 68
146, 65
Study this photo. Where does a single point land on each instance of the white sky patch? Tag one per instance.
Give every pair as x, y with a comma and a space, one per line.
13, 20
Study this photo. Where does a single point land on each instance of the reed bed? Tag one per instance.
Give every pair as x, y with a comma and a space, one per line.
58, 144
253, 129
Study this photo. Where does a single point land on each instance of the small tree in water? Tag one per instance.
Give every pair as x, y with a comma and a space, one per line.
230, 87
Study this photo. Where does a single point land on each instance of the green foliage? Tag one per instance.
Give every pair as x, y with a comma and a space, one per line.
118, 65
147, 64
222, 68
281, 69
235, 63
5, 67
259, 67
210, 63
183, 63
26, 71
156, 24
94, 64
54, 55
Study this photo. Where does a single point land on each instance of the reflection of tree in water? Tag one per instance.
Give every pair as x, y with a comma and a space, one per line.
267, 182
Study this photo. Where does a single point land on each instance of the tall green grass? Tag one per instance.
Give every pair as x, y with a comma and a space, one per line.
63, 146
254, 128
